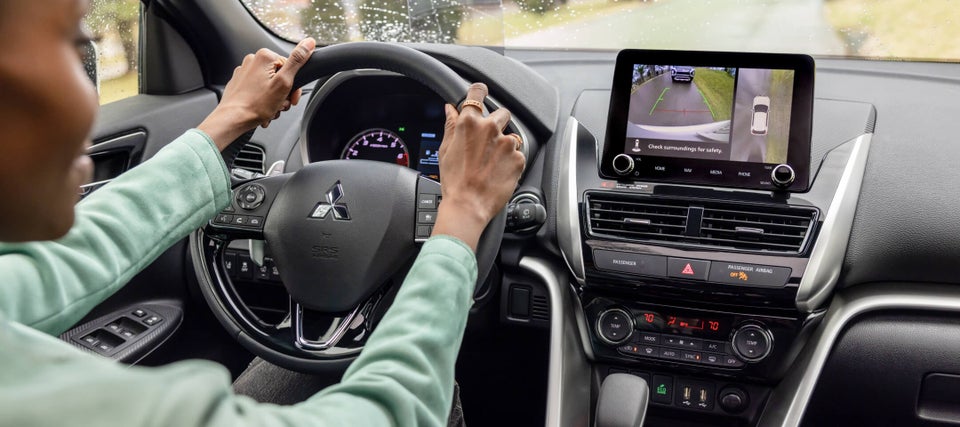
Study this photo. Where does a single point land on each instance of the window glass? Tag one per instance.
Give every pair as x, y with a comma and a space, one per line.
114, 24
884, 29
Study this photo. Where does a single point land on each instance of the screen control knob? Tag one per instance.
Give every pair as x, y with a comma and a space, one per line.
614, 326
783, 176
752, 342
622, 164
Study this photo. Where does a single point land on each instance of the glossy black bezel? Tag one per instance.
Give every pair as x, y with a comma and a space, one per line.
801, 120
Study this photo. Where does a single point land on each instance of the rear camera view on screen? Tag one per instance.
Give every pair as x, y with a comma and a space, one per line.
712, 113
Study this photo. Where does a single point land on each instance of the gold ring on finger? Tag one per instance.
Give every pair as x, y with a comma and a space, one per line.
471, 103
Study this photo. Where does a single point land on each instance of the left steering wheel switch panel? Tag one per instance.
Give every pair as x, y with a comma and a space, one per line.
248, 208
129, 334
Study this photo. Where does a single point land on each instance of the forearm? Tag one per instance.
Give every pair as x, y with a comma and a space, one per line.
118, 231
407, 366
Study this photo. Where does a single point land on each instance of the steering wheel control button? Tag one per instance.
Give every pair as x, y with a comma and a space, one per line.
783, 175
251, 196
427, 217
683, 268
622, 164
427, 201
614, 326
732, 273
630, 263
752, 343
224, 219
661, 390
255, 221
424, 231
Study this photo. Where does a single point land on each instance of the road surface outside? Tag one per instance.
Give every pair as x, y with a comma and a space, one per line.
739, 25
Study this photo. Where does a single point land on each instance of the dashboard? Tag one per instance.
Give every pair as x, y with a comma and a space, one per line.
712, 307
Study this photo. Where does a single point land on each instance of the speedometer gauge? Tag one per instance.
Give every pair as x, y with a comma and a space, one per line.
377, 144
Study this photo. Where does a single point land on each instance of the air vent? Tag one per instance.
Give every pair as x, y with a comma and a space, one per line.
540, 309
756, 228
700, 223
638, 218
250, 158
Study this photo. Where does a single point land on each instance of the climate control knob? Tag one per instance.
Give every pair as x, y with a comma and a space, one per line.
752, 342
783, 175
614, 326
623, 164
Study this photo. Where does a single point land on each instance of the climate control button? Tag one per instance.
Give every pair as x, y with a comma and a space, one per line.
752, 343
614, 326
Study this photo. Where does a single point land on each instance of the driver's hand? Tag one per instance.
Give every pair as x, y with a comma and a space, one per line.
261, 88
479, 168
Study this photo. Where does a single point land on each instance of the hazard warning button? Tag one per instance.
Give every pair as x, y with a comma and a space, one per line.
685, 268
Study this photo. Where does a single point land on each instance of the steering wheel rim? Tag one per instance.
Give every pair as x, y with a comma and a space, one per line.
275, 344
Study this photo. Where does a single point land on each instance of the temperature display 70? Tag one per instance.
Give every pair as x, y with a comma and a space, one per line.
681, 324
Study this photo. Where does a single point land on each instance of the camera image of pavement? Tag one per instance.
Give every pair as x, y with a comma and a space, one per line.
662, 102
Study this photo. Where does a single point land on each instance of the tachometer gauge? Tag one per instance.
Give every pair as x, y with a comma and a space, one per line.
377, 144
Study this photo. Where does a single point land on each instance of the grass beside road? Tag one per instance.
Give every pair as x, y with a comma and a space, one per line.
483, 30
778, 119
906, 29
716, 87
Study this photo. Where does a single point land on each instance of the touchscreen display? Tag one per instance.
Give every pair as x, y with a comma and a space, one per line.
720, 119
713, 113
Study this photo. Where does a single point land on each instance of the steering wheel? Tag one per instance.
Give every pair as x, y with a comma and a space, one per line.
340, 232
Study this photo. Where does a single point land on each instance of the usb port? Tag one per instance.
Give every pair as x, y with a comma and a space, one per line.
686, 393
703, 395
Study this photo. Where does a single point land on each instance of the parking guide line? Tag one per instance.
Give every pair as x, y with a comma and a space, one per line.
660, 99
712, 114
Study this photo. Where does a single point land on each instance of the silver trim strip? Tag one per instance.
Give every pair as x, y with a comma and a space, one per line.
568, 216
789, 401
828, 252
568, 376
310, 345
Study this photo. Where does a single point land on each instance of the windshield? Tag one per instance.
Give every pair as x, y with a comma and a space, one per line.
884, 29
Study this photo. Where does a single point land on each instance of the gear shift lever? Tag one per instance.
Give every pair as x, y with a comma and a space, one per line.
623, 401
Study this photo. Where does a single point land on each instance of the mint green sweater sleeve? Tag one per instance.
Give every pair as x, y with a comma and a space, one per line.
404, 376
119, 230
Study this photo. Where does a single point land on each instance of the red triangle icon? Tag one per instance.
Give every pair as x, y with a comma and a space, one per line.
688, 270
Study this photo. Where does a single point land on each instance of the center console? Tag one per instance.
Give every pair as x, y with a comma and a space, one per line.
701, 219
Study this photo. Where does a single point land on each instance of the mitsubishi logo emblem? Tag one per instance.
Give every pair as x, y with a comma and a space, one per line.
340, 212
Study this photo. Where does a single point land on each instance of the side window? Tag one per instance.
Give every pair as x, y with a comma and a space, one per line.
114, 25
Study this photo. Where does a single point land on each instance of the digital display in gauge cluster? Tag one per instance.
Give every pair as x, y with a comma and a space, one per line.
385, 145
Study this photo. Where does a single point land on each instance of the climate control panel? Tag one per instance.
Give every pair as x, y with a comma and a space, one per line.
706, 339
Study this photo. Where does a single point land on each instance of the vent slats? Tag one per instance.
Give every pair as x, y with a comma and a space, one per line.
722, 225
622, 216
540, 309
771, 228
250, 158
